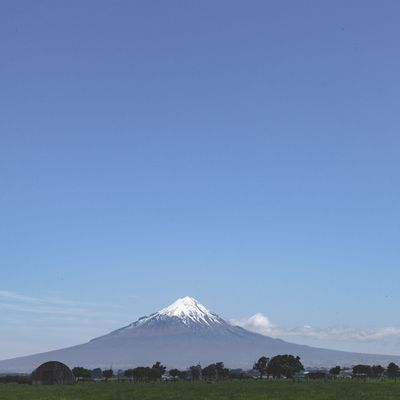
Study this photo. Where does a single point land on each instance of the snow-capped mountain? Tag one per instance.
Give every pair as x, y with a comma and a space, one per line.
187, 311
181, 317
183, 334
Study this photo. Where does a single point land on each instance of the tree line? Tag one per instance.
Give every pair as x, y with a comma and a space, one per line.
374, 371
157, 371
281, 366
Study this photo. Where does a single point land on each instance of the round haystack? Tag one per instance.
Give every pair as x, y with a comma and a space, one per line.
52, 373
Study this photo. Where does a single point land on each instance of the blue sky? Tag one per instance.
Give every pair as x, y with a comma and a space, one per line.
242, 153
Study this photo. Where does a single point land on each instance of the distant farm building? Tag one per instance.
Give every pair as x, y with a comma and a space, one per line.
52, 373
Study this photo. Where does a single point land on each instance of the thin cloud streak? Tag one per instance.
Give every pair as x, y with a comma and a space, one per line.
49, 305
13, 296
45, 310
259, 323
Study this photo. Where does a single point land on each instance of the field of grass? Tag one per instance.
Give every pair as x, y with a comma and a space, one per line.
246, 390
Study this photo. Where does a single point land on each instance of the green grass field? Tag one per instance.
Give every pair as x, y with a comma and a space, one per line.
248, 390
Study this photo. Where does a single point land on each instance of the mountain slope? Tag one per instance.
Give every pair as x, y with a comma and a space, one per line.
183, 334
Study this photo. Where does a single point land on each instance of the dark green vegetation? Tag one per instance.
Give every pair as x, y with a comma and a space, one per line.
146, 373
279, 366
244, 390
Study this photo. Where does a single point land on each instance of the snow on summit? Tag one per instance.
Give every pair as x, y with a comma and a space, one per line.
189, 309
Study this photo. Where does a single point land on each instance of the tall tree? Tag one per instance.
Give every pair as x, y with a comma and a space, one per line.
129, 373
285, 365
160, 367
335, 371
107, 374
377, 371
209, 372
157, 371
174, 373
392, 370
140, 373
221, 371
261, 365
195, 372
362, 370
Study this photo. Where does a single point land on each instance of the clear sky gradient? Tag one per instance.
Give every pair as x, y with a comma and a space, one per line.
244, 153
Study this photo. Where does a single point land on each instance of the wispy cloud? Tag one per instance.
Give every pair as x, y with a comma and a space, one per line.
54, 322
18, 302
52, 306
259, 323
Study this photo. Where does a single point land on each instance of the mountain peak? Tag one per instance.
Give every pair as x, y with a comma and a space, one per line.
189, 310
185, 312
183, 307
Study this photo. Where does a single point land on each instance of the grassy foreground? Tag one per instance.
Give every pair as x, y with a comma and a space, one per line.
246, 390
